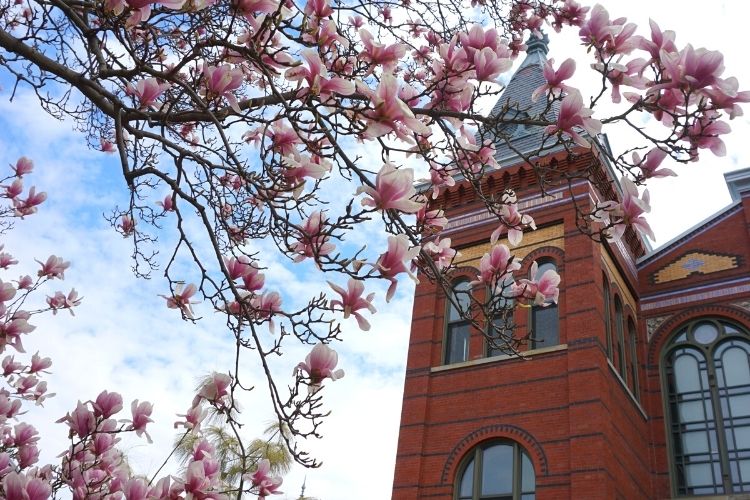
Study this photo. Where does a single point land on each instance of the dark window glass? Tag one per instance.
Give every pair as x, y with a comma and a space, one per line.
633, 359
620, 341
458, 329
545, 324
502, 326
496, 471
607, 316
707, 373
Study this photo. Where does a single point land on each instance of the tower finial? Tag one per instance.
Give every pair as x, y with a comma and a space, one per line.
537, 44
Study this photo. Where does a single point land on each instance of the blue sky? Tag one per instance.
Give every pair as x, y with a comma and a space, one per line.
124, 339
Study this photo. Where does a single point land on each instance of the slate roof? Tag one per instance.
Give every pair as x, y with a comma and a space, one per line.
516, 100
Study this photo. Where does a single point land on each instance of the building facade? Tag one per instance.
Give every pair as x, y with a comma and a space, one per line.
637, 385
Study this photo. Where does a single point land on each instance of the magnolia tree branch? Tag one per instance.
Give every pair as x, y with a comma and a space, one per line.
250, 114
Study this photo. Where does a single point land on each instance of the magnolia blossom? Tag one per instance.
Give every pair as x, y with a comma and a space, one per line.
23, 166
392, 261
54, 267
147, 91
167, 204
539, 291
320, 364
221, 81
61, 301
394, 189
629, 212
555, 78
126, 226
28, 206
298, 170
376, 53
574, 116
263, 481
352, 301
180, 299
441, 252
313, 241
389, 113
141, 417
496, 265
651, 162
19, 486
514, 222
316, 77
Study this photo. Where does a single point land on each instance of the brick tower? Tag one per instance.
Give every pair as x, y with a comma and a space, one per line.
637, 384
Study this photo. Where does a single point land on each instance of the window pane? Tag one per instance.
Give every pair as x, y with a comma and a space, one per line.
705, 332
462, 296
497, 470
545, 326
458, 343
528, 481
467, 482
736, 367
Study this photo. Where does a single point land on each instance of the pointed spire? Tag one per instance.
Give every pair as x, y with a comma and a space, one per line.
537, 44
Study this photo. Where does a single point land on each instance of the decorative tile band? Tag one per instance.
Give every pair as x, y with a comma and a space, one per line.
685, 299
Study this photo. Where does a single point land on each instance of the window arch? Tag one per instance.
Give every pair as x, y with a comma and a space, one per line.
545, 323
497, 470
706, 369
458, 328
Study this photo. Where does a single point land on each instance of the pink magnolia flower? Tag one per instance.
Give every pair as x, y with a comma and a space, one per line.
253, 280
651, 162
598, 29
193, 418
488, 66
389, 113
320, 364
540, 291
495, 265
7, 291
512, 221
727, 97
126, 226
376, 53
23, 166
107, 146
141, 8
167, 204
6, 260
141, 413
692, 69
352, 301
181, 299
573, 115
25, 282
263, 482
318, 8
60, 301
471, 156
704, 134
82, 421
441, 252
250, 7
221, 81
433, 220
147, 91
54, 267
107, 404
392, 261
629, 212
14, 190
265, 306
555, 79
440, 177
316, 77
393, 189
28, 206
284, 139
21, 487
135, 489
214, 389
628, 74
570, 13
297, 171
313, 242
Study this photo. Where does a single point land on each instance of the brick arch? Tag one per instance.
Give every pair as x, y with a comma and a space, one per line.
662, 334
491, 432
557, 254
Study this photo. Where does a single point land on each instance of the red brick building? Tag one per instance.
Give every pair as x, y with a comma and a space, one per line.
638, 386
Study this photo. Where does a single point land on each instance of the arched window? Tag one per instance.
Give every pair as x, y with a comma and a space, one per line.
607, 315
706, 371
632, 347
620, 340
498, 471
545, 324
458, 328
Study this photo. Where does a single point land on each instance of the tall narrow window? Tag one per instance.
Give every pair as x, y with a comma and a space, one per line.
620, 340
458, 328
545, 324
502, 325
607, 315
633, 348
707, 386
496, 471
